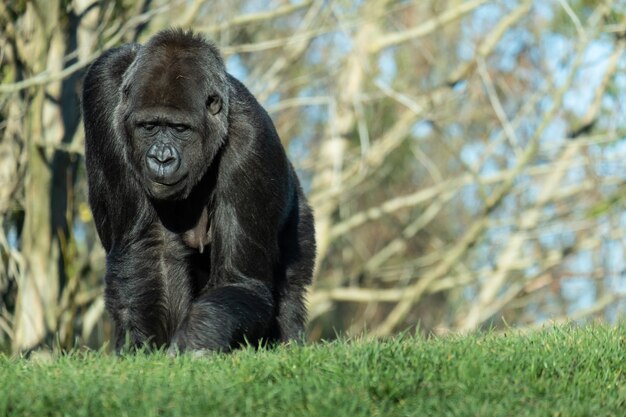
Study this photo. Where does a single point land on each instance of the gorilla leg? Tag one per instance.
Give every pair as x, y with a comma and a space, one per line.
298, 253
222, 318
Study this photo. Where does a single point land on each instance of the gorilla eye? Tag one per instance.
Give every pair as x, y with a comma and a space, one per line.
181, 128
147, 126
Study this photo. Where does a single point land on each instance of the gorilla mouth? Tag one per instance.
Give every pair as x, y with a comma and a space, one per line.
166, 188
168, 182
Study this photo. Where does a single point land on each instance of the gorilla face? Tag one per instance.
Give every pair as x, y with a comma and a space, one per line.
174, 117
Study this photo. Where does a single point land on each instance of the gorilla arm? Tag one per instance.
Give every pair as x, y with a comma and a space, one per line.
239, 306
253, 199
112, 189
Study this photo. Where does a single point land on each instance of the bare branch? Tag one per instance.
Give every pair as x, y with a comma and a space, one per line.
46, 77
475, 230
257, 17
430, 26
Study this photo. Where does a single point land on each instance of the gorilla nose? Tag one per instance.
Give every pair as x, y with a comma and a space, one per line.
162, 160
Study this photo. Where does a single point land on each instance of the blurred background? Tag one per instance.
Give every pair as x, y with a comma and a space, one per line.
466, 160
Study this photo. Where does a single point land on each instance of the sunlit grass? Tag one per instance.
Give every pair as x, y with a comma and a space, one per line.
564, 371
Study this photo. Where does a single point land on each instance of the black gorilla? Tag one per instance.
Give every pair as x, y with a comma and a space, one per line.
209, 238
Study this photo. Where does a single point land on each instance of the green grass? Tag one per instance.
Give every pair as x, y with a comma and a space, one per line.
565, 371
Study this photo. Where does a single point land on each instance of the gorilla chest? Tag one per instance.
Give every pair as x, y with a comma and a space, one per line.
199, 236
183, 247
184, 268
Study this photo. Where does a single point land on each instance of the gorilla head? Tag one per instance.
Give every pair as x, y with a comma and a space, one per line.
174, 107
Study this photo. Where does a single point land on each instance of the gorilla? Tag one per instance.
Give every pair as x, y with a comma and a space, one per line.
209, 238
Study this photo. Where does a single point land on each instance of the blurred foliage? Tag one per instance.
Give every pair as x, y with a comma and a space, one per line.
465, 159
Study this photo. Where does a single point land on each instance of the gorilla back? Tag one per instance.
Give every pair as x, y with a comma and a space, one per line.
209, 238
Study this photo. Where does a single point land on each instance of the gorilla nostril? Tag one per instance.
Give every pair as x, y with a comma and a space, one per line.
165, 160
163, 155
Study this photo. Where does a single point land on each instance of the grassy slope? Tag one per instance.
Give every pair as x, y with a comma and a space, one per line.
564, 371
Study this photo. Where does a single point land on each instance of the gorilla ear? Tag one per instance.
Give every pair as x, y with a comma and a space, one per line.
214, 104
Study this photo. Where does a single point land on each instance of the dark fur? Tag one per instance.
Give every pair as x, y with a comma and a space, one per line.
222, 255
